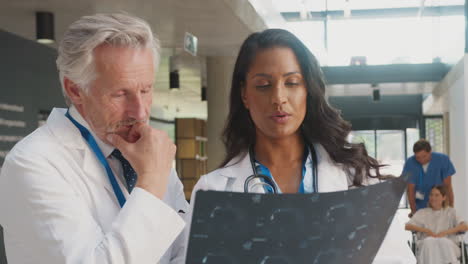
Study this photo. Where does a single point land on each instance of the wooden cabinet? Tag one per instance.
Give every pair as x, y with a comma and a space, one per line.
191, 157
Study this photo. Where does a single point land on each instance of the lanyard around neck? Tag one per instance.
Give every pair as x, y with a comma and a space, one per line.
97, 151
311, 148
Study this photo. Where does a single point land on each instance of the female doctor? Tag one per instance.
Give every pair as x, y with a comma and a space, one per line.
280, 125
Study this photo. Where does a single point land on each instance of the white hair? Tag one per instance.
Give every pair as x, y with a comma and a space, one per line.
75, 52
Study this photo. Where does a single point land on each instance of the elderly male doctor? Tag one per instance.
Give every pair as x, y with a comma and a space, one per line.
96, 184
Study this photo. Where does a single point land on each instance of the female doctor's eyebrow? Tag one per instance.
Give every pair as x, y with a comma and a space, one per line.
270, 76
261, 75
291, 73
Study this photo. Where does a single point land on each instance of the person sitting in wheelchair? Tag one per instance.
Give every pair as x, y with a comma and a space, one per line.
436, 227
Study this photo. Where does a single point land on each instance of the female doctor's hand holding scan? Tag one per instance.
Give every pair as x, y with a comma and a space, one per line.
280, 125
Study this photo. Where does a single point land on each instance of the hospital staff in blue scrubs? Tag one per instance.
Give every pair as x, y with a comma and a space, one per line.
427, 169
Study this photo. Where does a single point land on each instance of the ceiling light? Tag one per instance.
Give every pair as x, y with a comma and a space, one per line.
174, 83
45, 27
203, 93
375, 92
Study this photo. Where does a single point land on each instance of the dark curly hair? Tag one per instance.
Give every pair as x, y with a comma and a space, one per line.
322, 123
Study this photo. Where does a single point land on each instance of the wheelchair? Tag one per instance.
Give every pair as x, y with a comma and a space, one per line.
461, 246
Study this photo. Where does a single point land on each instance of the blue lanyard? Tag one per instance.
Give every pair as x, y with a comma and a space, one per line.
94, 146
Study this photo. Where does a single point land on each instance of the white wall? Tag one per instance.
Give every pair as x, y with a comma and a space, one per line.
458, 115
451, 91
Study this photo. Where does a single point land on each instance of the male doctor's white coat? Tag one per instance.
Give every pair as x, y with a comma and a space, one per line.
57, 206
331, 178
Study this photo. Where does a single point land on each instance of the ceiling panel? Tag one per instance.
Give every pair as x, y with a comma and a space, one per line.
322, 5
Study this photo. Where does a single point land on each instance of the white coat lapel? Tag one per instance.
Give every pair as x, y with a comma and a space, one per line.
237, 172
331, 177
70, 137
96, 172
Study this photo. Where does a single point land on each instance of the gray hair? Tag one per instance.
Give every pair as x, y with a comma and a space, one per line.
75, 52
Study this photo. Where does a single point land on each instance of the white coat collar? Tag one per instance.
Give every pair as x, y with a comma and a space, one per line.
64, 130
331, 176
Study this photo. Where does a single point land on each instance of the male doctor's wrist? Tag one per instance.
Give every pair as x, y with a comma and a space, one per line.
156, 189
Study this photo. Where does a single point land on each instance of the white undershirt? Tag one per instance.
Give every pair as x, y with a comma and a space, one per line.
425, 167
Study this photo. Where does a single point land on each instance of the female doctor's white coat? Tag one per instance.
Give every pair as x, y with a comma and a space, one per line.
331, 178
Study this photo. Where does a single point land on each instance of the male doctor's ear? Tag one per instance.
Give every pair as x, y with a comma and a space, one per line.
73, 91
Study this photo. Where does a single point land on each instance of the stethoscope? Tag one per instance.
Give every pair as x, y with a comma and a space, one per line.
266, 181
